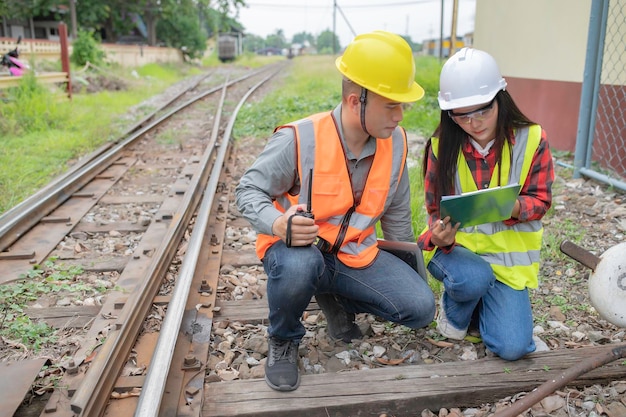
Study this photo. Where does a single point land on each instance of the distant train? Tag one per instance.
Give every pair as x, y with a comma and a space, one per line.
227, 47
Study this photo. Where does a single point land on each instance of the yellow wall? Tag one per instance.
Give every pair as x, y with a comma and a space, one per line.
541, 39
541, 48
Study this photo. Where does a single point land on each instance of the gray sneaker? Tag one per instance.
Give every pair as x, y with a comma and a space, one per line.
445, 328
281, 367
340, 324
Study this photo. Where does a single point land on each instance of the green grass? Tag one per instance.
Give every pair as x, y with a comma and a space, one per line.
422, 117
42, 131
15, 297
247, 59
312, 85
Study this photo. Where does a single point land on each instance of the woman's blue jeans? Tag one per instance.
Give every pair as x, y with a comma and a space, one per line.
504, 315
388, 288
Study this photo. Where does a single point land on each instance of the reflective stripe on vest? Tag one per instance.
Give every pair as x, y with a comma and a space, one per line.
513, 251
319, 148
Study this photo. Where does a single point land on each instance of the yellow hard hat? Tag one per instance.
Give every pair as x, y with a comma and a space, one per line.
381, 62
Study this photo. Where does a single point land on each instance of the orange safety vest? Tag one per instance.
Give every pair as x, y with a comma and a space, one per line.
319, 149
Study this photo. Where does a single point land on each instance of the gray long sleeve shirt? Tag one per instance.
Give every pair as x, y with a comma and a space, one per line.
275, 172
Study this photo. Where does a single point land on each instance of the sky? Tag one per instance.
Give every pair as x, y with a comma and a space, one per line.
419, 19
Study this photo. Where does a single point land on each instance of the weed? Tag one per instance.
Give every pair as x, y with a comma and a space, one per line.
541, 319
33, 334
48, 278
42, 131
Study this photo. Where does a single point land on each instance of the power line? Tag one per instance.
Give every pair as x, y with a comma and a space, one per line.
359, 6
405, 3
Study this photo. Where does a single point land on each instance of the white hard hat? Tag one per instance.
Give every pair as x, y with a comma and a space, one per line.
470, 77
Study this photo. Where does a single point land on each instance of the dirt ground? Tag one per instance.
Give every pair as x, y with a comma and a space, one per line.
588, 213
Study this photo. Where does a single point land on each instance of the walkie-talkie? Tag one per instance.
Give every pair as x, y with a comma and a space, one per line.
308, 213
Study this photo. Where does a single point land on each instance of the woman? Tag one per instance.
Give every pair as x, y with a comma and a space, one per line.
483, 140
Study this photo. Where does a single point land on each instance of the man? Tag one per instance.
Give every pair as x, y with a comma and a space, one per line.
351, 163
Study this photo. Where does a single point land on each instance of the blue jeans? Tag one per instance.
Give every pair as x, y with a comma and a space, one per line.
505, 317
388, 288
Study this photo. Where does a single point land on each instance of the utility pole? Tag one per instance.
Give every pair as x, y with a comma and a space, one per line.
73, 18
334, 27
441, 34
455, 10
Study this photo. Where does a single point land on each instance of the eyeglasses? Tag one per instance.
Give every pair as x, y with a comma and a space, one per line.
479, 115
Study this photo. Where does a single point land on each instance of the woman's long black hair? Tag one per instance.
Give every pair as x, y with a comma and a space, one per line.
452, 136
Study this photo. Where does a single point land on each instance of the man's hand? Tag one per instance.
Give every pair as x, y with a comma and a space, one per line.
303, 229
443, 232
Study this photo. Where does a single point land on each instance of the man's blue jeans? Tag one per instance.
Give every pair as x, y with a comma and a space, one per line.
388, 288
504, 315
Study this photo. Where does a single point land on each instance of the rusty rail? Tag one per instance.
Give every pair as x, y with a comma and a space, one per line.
561, 380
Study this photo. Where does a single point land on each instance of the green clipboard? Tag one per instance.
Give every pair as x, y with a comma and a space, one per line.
479, 207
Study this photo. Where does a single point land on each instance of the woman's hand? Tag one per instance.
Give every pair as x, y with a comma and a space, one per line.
443, 232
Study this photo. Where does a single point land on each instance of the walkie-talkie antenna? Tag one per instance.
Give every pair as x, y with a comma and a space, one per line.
309, 192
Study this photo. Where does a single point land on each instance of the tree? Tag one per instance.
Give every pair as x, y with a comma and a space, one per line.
415, 47
178, 23
25, 9
215, 21
328, 43
183, 31
92, 15
155, 10
253, 43
304, 38
276, 40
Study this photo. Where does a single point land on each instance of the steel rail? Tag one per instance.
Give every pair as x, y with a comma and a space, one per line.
91, 397
177, 96
156, 378
21, 218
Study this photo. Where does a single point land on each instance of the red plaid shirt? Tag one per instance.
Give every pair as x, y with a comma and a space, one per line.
535, 196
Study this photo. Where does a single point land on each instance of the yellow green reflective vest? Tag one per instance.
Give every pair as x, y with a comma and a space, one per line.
513, 251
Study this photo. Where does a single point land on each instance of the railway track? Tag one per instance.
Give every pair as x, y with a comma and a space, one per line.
179, 328
125, 217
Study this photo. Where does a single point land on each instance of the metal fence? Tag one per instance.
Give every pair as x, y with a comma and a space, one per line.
601, 136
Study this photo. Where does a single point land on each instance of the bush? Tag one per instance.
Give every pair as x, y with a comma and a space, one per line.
86, 49
29, 108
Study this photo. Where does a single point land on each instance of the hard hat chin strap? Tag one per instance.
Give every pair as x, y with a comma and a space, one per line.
363, 100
